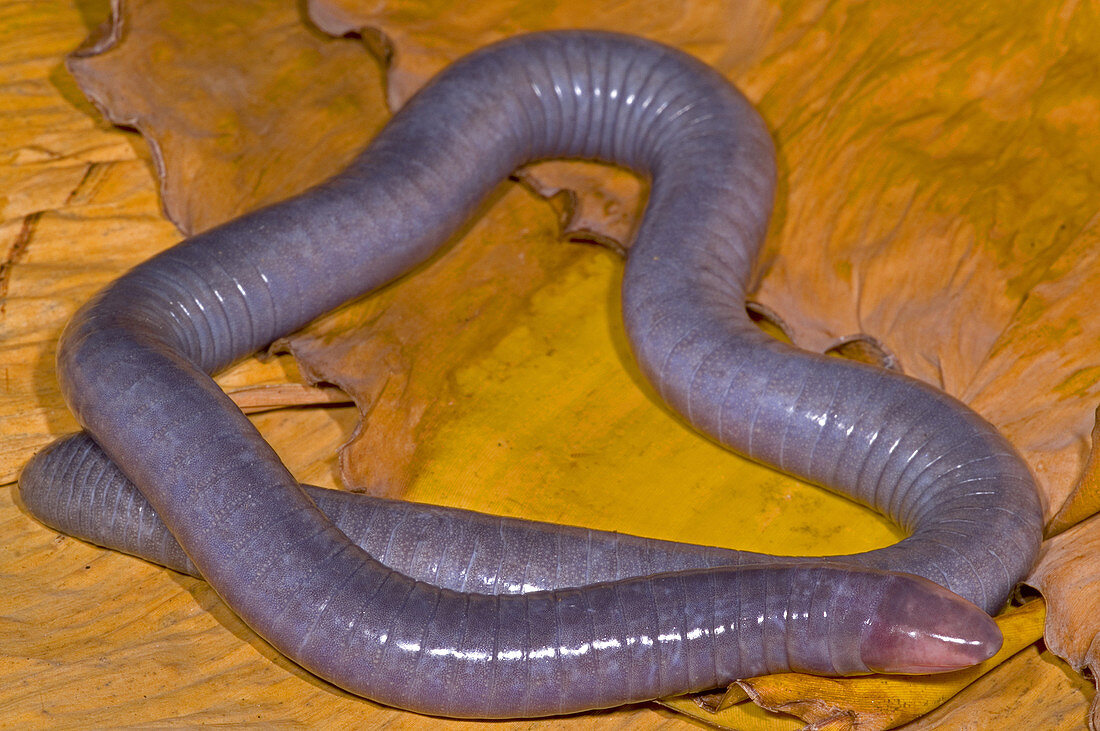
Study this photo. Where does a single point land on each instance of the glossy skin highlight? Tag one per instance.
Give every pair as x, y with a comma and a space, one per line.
133, 365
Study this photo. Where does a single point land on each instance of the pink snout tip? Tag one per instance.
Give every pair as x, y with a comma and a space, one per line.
919, 627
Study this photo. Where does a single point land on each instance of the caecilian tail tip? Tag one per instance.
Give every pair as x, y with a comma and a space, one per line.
919, 627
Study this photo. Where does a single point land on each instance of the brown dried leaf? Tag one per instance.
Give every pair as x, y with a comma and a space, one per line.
1068, 576
1084, 498
1040, 383
1032, 690
232, 123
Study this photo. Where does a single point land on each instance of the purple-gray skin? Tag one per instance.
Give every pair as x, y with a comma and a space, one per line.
617, 619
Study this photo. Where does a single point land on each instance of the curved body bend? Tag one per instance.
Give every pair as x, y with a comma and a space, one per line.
134, 362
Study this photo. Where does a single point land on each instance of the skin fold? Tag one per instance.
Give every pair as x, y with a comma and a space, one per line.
452, 613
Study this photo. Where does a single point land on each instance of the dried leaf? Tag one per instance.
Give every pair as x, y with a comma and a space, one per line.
967, 141
233, 141
1040, 381
1084, 499
744, 716
1032, 689
1068, 576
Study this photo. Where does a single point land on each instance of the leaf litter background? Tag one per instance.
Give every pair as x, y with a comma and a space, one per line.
938, 204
